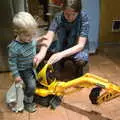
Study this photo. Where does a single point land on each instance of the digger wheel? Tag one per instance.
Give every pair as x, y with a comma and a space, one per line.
93, 96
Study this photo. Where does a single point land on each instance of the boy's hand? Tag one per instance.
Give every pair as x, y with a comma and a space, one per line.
18, 79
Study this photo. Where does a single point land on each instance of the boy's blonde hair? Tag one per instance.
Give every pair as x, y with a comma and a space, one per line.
24, 22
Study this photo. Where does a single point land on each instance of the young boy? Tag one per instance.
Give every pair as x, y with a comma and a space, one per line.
22, 55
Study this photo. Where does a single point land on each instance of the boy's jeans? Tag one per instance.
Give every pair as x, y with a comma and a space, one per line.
30, 84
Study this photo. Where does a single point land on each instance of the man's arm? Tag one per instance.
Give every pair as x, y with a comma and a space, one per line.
68, 52
45, 42
77, 48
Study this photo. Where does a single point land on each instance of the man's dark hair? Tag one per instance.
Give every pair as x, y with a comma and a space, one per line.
74, 4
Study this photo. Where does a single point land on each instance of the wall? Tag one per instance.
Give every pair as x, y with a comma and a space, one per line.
7, 10
93, 8
110, 10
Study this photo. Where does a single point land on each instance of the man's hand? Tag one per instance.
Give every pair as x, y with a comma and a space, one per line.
37, 59
55, 58
42, 38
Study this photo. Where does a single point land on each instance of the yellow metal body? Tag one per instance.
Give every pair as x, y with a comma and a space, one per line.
86, 81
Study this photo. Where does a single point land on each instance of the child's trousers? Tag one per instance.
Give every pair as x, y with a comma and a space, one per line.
30, 84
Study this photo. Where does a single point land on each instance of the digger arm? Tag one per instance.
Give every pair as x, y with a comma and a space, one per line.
88, 80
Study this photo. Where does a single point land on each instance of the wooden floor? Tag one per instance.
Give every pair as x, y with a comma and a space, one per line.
76, 106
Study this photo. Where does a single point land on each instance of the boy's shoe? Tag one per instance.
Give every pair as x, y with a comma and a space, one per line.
30, 107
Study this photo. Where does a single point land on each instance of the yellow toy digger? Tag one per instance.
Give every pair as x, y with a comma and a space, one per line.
58, 88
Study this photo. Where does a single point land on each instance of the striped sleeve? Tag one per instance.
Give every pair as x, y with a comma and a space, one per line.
12, 61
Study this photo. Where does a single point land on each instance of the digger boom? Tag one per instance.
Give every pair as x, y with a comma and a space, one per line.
88, 80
